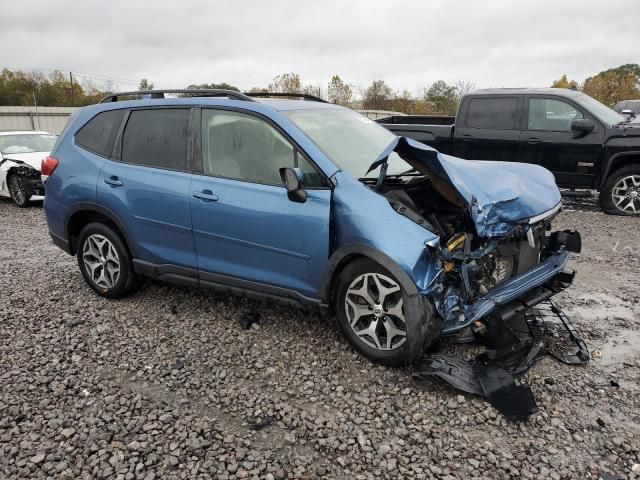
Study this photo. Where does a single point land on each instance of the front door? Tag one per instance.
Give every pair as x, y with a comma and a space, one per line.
247, 232
547, 139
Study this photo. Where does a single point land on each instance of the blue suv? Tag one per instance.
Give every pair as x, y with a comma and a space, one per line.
304, 202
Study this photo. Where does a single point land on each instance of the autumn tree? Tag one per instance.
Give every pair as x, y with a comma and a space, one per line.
615, 84
338, 91
285, 83
564, 82
377, 96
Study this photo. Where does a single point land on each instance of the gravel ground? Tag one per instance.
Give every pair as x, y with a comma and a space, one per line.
165, 384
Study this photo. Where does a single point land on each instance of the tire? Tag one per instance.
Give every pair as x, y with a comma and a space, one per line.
19, 190
105, 262
386, 346
620, 194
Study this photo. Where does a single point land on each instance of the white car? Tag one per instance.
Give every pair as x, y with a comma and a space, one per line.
21, 153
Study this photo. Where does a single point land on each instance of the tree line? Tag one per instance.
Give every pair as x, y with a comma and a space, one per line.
19, 87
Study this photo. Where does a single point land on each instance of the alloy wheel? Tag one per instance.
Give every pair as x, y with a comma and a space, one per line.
101, 261
626, 194
374, 309
17, 189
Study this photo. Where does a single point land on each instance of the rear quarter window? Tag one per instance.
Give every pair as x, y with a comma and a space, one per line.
100, 132
493, 113
157, 138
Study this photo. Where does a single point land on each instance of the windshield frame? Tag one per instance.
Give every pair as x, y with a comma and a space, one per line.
597, 109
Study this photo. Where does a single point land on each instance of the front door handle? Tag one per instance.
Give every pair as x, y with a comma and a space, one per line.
206, 195
113, 181
533, 140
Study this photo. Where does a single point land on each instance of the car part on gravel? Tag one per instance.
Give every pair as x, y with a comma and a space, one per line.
246, 319
518, 340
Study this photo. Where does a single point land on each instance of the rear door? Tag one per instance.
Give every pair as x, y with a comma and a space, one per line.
147, 185
488, 128
547, 139
247, 232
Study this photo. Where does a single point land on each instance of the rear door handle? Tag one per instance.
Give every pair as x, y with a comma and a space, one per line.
533, 140
466, 138
206, 195
113, 181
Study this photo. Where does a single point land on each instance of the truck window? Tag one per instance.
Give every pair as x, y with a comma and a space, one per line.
551, 114
493, 113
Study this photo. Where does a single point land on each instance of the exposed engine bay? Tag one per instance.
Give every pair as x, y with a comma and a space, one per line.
471, 266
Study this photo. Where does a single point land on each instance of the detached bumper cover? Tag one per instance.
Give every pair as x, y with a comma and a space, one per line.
551, 273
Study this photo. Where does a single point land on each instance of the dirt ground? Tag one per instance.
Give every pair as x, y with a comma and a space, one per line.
165, 383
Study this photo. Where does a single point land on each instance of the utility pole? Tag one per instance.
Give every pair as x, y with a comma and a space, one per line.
73, 99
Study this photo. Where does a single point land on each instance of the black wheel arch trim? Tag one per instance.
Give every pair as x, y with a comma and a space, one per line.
614, 162
337, 259
95, 208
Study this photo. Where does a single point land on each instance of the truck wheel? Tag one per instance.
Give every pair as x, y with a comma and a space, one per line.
621, 192
104, 261
379, 319
19, 190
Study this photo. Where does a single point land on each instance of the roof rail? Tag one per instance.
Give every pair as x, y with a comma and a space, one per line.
211, 92
302, 96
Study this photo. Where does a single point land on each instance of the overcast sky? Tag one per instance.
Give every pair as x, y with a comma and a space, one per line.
408, 43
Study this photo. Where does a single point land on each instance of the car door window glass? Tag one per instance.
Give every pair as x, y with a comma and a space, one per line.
493, 113
157, 138
243, 147
100, 132
551, 114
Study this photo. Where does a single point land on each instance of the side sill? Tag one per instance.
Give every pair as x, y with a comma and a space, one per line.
222, 283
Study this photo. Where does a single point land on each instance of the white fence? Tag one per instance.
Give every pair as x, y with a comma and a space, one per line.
49, 119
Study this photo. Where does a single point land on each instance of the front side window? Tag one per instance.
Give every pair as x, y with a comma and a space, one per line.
551, 114
99, 133
26, 143
493, 113
243, 147
157, 138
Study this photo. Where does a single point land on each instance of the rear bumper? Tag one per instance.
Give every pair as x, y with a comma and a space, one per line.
541, 282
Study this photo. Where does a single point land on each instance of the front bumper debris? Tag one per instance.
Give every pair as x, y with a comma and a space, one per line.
517, 337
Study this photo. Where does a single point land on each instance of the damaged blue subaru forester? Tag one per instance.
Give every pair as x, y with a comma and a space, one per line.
304, 202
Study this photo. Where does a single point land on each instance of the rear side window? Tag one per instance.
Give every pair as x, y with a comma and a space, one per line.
157, 138
494, 113
100, 132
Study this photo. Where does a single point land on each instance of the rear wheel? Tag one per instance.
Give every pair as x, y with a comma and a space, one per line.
19, 190
378, 317
104, 261
621, 192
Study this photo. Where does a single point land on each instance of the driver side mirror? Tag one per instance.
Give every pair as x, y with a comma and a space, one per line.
582, 126
292, 181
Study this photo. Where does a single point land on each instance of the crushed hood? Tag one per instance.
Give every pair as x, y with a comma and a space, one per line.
33, 159
498, 195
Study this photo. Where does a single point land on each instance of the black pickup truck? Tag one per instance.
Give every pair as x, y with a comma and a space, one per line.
583, 142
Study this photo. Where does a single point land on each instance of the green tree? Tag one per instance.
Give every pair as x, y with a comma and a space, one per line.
443, 97
338, 91
145, 85
207, 86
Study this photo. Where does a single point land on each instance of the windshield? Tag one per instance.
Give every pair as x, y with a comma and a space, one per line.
349, 139
26, 143
602, 112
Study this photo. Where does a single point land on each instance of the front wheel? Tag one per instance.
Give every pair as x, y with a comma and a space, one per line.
621, 192
379, 318
19, 190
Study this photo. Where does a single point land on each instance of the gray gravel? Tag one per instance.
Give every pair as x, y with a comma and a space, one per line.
165, 384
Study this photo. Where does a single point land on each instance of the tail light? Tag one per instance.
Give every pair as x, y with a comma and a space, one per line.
47, 167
